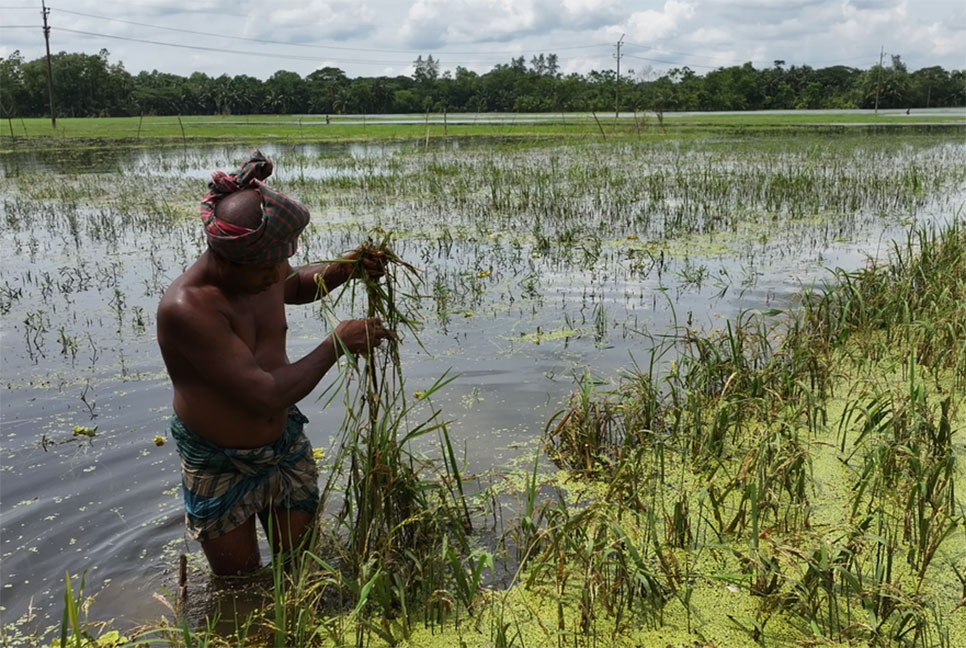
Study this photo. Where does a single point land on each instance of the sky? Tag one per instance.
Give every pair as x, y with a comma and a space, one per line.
384, 37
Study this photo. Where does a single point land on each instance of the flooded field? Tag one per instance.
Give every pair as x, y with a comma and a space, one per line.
541, 261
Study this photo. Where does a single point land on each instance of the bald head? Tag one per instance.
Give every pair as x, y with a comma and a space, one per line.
242, 208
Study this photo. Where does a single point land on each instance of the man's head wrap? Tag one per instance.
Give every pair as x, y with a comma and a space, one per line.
276, 237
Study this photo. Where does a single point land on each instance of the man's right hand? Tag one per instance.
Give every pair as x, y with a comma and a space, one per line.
358, 336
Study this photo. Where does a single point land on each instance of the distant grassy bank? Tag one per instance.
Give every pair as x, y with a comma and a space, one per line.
315, 128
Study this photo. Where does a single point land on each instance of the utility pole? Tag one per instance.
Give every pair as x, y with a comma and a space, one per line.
878, 79
50, 80
617, 84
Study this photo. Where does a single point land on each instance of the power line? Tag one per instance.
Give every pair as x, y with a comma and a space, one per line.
715, 67
651, 60
332, 47
203, 48
317, 59
688, 54
241, 38
841, 60
294, 57
692, 55
363, 62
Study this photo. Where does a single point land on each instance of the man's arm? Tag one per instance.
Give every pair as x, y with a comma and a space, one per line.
302, 286
203, 338
313, 281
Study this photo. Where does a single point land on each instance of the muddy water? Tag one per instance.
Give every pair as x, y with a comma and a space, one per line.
88, 476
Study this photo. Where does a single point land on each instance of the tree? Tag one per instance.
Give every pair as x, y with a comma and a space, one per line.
360, 97
553, 68
543, 65
327, 89
247, 92
425, 70
539, 64
956, 88
13, 95
88, 86
91, 85
886, 87
405, 101
687, 88
929, 87
288, 93
838, 80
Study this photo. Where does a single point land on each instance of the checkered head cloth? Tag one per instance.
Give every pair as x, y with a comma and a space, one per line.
276, 237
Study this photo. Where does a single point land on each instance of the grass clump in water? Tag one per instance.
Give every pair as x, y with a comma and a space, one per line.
402, 526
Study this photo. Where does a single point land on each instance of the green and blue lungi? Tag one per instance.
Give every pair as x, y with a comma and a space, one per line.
224, 487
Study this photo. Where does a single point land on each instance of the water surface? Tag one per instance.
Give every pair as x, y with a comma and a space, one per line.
540, 263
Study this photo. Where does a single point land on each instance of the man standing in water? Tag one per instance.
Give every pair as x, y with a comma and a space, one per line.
221, 329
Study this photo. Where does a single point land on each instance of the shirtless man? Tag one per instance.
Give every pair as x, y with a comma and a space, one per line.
221, 328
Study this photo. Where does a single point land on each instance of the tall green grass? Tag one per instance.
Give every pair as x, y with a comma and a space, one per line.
742, 415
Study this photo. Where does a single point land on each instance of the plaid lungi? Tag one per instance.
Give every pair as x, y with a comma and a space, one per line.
224, 487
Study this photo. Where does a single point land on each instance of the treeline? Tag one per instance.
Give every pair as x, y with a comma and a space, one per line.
88, 85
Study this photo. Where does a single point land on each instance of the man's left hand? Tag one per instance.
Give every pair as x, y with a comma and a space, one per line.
367, 262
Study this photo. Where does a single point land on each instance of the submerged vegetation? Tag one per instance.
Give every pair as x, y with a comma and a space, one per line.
758, 472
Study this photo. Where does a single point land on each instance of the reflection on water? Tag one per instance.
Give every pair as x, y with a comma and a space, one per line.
199, 161
539, 263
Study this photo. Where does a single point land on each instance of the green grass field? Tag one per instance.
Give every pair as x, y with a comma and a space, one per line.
360, 127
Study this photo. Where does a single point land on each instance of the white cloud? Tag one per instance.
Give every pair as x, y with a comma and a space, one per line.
712, 36
874, 13
783, 6
589, 14
899, 29
578, 7
646, 26
160, 7
437, 23
377, 37
871, 5
582, 65
310, 21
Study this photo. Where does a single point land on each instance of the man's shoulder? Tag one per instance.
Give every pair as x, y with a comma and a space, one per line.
190, 300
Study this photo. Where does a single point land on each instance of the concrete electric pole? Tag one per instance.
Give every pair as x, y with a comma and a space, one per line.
617, 84
50, 79
878, 78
